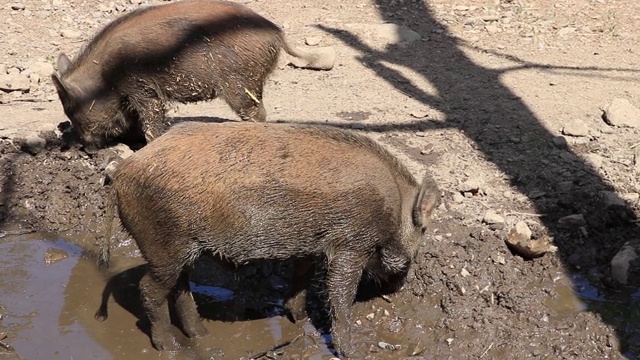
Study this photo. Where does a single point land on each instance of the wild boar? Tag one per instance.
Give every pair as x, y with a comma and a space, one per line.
242, 191
118, 86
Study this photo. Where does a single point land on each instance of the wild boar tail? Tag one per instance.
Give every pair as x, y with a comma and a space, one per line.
104, 258
322, 58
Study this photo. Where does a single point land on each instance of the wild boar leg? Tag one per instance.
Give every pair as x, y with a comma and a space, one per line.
303, 270
186, 308
155, 290
246, 102
343, 275
151, 114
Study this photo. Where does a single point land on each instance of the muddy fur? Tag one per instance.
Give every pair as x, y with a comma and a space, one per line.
246, 191
118, 86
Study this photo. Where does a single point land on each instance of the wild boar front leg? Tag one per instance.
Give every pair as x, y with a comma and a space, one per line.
343, 275
303, 270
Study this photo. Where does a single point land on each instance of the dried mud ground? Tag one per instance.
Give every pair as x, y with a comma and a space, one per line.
500, 100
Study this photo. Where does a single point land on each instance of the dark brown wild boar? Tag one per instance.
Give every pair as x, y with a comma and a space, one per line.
243, 191
193, 50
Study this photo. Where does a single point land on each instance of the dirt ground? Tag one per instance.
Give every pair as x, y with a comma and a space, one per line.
501, 100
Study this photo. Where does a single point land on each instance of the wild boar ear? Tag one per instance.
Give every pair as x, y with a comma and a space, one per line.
427, 200
63, 63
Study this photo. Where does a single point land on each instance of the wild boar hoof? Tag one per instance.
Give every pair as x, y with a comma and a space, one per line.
197, 331
167, 343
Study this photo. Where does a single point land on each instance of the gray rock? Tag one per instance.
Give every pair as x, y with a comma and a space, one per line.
471, 185
491, 218
610, 198
14, 82
32, 144
621, 113
394, 33
312, 40
122, 150
70, 33
572, 221
560, 142
624, 261
42, 68
522, 229
576, 128
457, 198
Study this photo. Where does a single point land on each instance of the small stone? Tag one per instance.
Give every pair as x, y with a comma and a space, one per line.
312, 40
492, 29
457, 198
572, 221
419, 114
491, 217
449, 341
521, 228
32, 144
135, 2
53, 255
560, 142
17, 6
621, 113
14, 82
370, 316
122, 150
575, 128
566, 31
471, 186
565, 186
42, 68
595, 160
394, 33
499, 259
464, 272
70, 33
536, 194
386, 346
622, 261
610, 198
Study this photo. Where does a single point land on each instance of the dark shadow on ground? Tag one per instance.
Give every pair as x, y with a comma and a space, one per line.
507, 132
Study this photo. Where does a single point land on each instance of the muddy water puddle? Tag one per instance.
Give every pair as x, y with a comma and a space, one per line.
49, 295
50, 291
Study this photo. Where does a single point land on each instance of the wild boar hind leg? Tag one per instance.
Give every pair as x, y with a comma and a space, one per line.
151, 114
186, 309
246, 101
155, 291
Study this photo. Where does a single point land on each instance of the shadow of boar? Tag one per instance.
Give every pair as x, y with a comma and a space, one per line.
118, 86
245, 191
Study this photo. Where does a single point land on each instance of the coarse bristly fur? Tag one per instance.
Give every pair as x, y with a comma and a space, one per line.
246, 191
119, 84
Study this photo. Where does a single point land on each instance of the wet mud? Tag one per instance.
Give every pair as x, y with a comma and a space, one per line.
500, 306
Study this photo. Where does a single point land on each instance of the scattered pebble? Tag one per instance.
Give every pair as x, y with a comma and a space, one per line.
572, 221
621, 113
70, 33
312, 40
491, 217
14, 82
575, 128
17, 6
623, 260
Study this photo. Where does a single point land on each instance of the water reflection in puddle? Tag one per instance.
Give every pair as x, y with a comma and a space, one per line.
50, 294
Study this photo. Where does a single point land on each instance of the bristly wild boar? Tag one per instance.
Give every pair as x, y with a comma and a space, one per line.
187, 51
242, 191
